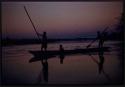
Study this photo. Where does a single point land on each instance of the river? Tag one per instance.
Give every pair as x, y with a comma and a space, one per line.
73, 69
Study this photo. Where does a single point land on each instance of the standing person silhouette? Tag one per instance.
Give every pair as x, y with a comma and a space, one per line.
101, 37
44, 41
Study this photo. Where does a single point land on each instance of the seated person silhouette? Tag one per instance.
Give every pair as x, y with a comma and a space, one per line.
61, 54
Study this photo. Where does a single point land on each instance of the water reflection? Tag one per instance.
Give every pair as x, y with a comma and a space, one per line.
100, 64
61, 56
44, 71
44, 56
62, 68
45, 67
101, 61
44, 61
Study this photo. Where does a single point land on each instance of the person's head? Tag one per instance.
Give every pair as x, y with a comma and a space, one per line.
60, 46
98, 32
44, 33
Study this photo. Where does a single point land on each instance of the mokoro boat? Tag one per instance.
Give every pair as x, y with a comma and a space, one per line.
48, 54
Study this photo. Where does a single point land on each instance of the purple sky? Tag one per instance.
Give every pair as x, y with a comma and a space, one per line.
58, 19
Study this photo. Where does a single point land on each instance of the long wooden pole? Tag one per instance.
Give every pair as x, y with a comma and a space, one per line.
96, 38
32, 22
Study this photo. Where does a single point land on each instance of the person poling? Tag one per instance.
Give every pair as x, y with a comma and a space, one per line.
44, 41
44, 36
101, 37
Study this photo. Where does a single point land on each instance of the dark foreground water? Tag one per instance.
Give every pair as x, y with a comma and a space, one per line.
87, 69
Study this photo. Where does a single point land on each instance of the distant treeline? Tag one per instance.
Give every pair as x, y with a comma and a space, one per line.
6, 42
118, 33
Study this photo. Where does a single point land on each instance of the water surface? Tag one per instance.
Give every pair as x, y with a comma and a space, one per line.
90, 68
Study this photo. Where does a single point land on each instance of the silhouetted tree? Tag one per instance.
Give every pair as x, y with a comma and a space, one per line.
118, 32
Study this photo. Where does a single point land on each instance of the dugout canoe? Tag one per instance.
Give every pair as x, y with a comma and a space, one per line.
53, 53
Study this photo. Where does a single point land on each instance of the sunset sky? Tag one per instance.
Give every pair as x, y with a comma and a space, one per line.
58, 19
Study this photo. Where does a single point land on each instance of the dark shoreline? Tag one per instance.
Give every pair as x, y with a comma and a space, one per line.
11, 42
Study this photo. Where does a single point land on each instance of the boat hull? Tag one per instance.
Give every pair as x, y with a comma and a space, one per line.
38, 55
